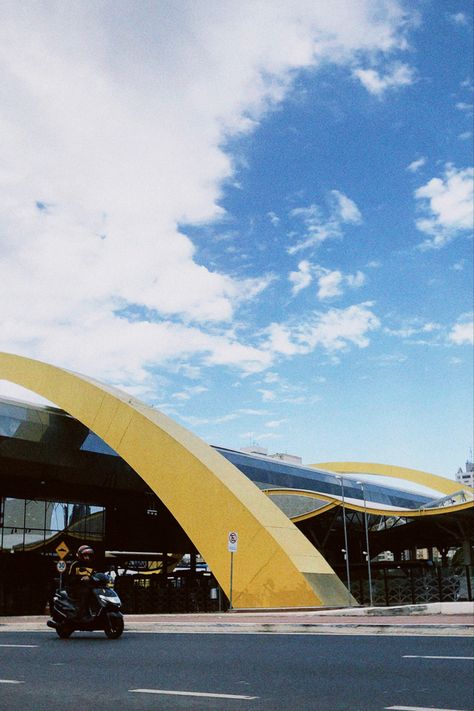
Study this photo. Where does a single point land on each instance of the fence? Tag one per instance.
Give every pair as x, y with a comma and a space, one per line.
147, 594
399, 586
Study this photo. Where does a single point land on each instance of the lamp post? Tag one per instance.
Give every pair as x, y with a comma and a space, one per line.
345, 550
367, 552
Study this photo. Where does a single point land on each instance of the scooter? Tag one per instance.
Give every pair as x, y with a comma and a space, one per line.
104, 610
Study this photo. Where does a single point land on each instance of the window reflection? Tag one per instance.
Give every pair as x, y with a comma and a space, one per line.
38, 526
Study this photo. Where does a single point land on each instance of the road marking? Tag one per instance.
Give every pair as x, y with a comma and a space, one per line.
419, 656
29, 646
418, 708
191, 693
10, 681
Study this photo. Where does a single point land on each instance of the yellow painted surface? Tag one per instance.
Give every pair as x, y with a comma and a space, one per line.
275, 565
438, 483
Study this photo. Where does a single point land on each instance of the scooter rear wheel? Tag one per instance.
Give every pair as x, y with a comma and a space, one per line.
113, 626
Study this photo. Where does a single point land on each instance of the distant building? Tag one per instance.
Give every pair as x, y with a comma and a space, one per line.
466, 477
263, 452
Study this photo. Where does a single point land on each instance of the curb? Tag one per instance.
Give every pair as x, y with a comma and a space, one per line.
283, 623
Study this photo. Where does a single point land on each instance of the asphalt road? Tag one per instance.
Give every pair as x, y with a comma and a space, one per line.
270, 672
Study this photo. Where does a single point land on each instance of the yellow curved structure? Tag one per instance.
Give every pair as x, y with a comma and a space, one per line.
438, 483
275, 565
334, 501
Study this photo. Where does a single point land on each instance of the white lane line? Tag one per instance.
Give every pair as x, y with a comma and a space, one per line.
10, 681
26, 646
418, 708
419, 656
191, 693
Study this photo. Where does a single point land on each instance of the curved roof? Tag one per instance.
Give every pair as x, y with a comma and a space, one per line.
432, 481
379, 510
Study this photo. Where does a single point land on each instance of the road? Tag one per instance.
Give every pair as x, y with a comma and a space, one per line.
234, 672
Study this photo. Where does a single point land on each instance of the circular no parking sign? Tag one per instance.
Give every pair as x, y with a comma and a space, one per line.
232, 541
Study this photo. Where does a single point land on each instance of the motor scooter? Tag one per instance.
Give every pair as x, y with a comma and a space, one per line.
103, 610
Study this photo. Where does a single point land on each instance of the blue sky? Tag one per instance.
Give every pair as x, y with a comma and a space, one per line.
256, 217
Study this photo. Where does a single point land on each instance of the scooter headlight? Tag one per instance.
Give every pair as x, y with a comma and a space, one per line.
106, 599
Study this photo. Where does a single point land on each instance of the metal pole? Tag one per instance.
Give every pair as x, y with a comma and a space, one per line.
346, 546
231, 576
367, 552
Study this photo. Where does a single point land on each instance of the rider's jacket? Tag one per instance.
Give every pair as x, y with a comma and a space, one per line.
77, 570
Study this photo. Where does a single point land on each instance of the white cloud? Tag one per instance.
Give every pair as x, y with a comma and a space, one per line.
331, 330
274, 219
413, 327
113, 126
416, 164
271, 377
342, 210
399, 74
189, 392
355, 280
274, 424
448, 202
332, 283
459, 18
388, 359
199, 421
463, 106
280, 340
462, 332
346, 209
302, 278
267, 395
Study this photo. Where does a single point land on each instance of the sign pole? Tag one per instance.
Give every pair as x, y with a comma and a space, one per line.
231, 577
61, 568
232, 540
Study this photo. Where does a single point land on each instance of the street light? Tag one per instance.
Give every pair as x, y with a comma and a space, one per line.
345, 550
367, 552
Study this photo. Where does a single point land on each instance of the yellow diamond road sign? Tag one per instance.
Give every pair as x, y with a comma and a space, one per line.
62, 550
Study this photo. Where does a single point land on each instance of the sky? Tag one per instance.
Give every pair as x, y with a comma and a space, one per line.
255, 216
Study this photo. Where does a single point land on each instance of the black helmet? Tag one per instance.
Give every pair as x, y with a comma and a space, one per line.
84, 552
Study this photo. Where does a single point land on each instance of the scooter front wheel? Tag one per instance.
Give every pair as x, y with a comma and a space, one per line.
113, 625
64, 631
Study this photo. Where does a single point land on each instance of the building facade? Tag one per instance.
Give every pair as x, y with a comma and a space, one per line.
160, 496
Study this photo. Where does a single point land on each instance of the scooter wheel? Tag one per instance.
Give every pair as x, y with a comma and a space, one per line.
113, 626
63, 631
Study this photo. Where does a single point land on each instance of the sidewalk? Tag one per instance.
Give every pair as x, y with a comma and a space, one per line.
455, 618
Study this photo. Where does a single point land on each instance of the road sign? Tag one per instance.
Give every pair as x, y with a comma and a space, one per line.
61, 566
62, 550
232, 541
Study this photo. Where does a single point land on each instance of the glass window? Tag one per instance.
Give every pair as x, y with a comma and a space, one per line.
34, 514
34, 525
14, 513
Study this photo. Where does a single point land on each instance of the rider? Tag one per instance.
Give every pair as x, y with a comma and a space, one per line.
78, 576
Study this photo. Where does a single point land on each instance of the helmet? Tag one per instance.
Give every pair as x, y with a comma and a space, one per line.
84, 552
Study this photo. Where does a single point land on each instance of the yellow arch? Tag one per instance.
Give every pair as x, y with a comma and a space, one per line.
438, 483
275, 565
